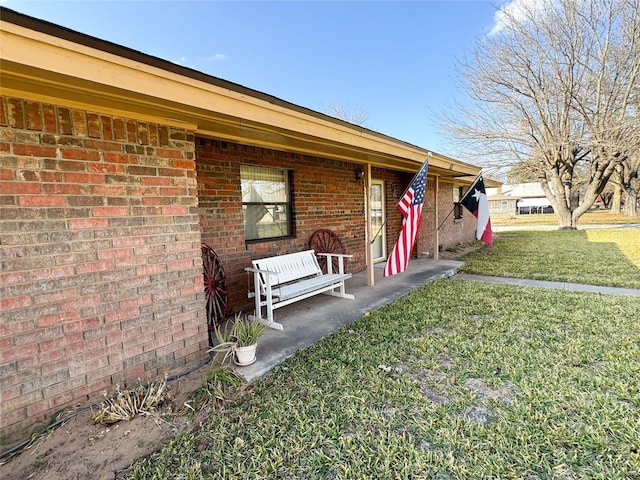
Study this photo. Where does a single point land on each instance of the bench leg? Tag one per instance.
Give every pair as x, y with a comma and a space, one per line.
348, 296
258, 312
270, 324
266, 321
342, 293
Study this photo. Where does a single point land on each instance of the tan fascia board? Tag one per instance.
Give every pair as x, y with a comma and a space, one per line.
88, 74
468, 180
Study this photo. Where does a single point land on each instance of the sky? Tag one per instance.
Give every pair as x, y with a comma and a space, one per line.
394, 61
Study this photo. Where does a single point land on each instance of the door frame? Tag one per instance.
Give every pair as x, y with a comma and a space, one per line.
374, 229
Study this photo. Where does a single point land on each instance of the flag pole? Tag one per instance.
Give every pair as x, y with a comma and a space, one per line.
471, 187
460, 201
424, 164
410, 207
478, 204
379, 230
445, 218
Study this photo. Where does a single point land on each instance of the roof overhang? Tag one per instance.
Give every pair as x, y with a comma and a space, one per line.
533, 202
44, 62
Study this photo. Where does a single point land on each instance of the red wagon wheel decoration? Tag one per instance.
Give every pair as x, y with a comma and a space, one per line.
325, 241
215, 288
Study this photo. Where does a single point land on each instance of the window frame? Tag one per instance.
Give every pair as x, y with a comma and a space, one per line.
288, 204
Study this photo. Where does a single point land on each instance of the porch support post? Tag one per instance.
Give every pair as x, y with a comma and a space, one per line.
369, 235
436, 252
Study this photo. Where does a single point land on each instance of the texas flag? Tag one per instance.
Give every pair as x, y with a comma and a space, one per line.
475, 200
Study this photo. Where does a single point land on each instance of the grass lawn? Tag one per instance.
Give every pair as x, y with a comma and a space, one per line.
608, 257
456, 380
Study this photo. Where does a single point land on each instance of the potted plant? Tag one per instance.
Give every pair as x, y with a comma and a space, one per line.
240, 341
246, 334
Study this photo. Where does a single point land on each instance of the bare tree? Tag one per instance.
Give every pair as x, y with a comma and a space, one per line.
552, 92
611, 192
522, 173
629, 174
629, 168
355, 115
608, 105
616, 201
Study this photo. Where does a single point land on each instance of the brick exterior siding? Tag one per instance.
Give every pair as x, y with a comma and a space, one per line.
100, 248
102, 220
325, 195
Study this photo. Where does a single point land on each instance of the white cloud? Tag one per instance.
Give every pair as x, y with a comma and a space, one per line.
218, 57
181, 61
516, 11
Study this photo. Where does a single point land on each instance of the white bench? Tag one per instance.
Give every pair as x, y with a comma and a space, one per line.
282, 280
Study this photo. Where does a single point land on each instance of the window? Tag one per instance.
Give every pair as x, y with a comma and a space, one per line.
266, 203
457, 206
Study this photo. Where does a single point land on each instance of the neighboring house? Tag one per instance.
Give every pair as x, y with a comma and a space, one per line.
117, 166
518, 199
502, 204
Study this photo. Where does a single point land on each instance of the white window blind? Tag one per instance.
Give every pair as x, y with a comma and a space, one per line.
266, 202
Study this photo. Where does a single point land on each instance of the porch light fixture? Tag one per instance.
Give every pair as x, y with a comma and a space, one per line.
359, 174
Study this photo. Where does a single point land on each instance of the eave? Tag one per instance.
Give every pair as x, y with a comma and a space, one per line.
43, 62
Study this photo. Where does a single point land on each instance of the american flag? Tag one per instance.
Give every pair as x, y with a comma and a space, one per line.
410, 207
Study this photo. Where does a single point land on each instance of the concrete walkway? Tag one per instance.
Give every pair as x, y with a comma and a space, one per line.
524, 282
312, 319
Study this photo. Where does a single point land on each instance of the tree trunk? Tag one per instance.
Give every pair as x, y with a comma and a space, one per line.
630, 183
617, 196
560, 204
631, 204
566, 220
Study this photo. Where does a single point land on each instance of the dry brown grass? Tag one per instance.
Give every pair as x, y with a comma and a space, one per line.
597, 217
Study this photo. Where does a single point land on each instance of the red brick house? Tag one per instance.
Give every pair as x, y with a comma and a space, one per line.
116, 166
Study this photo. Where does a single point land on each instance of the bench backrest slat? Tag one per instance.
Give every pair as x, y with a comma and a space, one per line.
290, 267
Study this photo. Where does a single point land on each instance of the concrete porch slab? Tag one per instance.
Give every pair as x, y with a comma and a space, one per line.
309, 320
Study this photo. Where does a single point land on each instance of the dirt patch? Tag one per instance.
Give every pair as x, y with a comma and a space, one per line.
479, 414
504, 393
459, 251
81, 449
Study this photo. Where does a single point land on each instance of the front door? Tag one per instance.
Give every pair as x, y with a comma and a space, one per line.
377, 220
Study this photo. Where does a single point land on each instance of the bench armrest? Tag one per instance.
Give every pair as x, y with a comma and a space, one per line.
257, 270
343, 255
339, 256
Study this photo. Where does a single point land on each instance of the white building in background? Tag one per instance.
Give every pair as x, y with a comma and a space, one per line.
518, 199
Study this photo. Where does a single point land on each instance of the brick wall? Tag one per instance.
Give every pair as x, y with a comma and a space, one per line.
100, 251
452, 232
101, 220
325, 195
